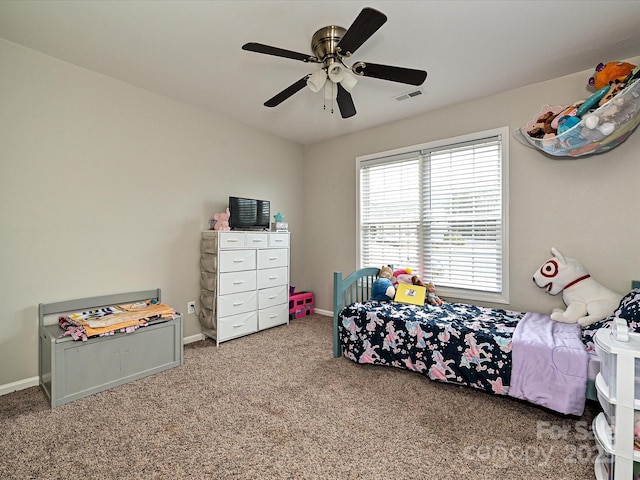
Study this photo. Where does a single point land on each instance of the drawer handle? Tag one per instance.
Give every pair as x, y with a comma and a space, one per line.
238, 260
273, 316
278, 241
232, 240
273, 278
256, 240
237, 304
273, 258
238, 282
273, 297
238, 325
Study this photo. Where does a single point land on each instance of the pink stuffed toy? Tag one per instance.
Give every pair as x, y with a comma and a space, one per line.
402, 275
222, 221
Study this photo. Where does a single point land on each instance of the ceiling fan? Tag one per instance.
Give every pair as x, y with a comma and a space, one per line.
331, 46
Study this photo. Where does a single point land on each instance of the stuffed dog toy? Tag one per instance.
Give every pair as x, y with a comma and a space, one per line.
587, 301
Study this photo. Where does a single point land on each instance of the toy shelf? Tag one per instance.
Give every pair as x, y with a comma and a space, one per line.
623, 111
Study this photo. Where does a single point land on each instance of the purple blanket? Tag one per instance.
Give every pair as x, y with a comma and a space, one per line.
549, 364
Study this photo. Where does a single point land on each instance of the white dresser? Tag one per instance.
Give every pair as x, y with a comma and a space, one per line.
618, 386
244, 278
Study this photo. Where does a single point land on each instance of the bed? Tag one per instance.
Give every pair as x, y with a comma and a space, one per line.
525, 355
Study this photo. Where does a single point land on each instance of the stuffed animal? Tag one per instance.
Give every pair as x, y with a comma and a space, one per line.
595, 130
587, 301
567, 122
570, 111
385, 272
542, 126
402, 275
604, 121
609, 72
432, 298
633, 76
616, 88
382, 288
222, 221
619, 111
593, 101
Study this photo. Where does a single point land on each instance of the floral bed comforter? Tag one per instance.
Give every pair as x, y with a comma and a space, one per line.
455, 343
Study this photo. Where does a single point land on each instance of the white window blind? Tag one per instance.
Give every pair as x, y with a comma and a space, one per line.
439, 209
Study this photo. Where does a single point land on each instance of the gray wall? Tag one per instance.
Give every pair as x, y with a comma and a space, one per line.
106, 188
585, 207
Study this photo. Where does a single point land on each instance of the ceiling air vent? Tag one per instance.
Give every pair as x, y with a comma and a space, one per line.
412, 94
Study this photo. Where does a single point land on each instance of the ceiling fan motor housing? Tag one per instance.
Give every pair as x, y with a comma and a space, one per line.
324, 43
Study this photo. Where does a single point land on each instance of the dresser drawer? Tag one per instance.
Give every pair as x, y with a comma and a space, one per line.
272, 316
235, 282
232, 239
608, 369
236, 260
257, 240
279, 240
237, 325
272, 277
269, 297
237, 303
274, 257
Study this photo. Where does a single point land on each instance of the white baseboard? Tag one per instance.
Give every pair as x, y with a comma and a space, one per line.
326, 313
193, 338
19, 385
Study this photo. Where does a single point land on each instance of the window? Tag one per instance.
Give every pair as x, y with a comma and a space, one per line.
441, 209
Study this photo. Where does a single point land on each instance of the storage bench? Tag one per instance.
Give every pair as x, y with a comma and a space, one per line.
69, 370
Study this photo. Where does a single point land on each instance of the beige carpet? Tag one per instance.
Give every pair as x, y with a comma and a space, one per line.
277, 405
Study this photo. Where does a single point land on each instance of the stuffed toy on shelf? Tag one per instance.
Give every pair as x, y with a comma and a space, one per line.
607, 73
593, 125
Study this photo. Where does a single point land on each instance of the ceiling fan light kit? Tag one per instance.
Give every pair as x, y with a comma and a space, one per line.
336, 72
330, 91
348, 81
330, 46
316, 80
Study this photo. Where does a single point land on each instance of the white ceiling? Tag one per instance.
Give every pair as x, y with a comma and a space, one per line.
191, 50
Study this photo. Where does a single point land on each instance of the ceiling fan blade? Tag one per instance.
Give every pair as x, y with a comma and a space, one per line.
366, 24
277, 52
393, 74
287, 92
345, 102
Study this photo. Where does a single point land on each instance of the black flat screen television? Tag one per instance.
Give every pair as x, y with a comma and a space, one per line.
248, 214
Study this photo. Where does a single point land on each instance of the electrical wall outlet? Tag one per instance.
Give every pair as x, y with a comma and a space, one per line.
191, 307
